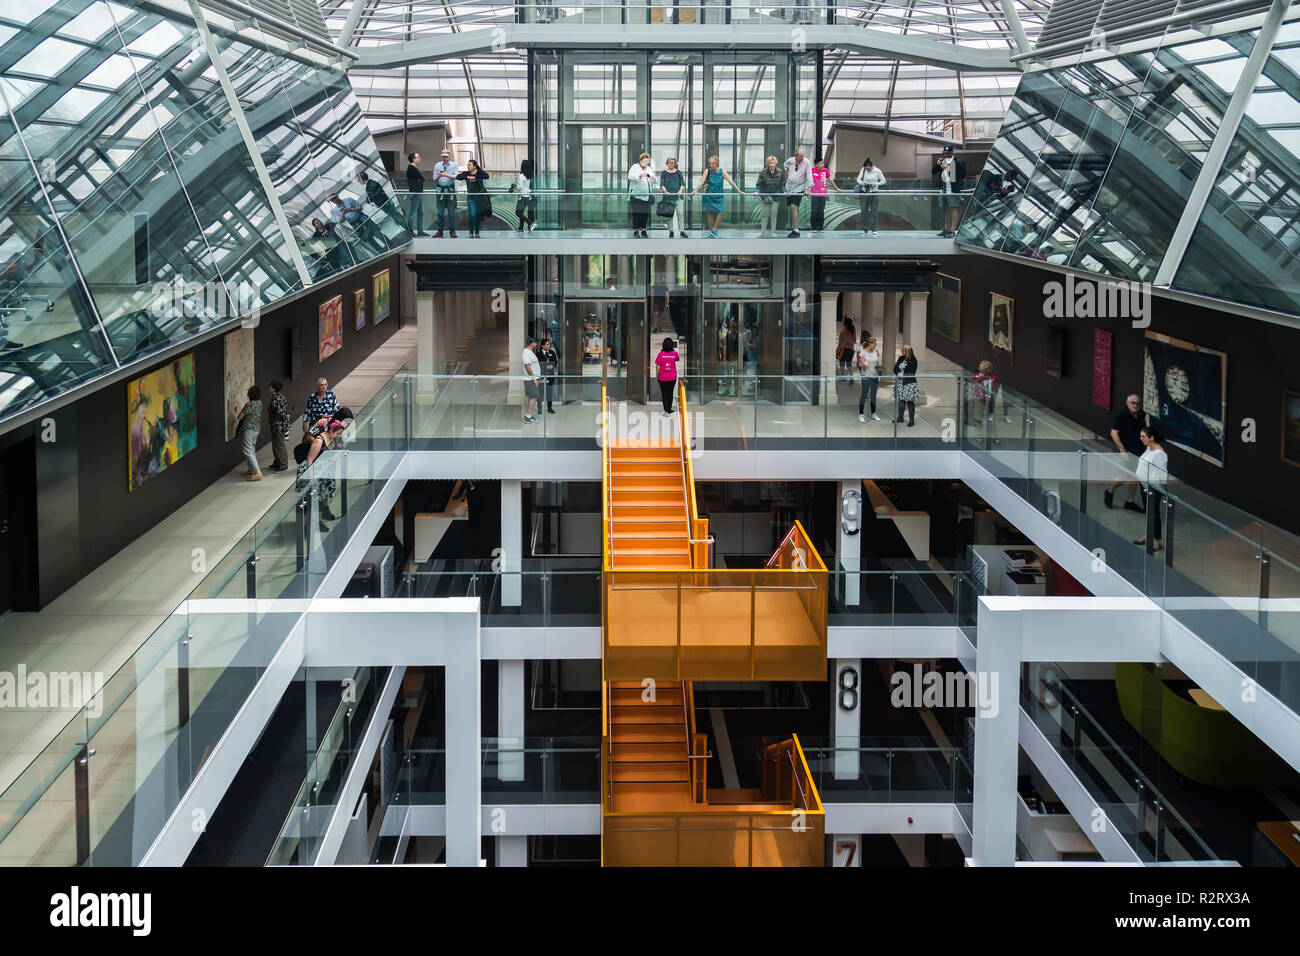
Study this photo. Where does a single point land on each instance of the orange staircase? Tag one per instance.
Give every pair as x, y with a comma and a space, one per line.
649, 766
648, 506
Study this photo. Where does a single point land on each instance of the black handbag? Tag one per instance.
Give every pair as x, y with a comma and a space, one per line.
666, 208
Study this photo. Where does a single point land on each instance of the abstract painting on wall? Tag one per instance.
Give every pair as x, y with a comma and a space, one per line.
1291, 427
945, 317
331, 327
162, 419
1002, 322
1185, 393
383, 302
359, 308
239, 375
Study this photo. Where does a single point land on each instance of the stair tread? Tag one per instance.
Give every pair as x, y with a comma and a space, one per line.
650, 773
647, 734
649, 752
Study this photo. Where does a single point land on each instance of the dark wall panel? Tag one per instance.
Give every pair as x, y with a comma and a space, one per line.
1261, 362
108, 517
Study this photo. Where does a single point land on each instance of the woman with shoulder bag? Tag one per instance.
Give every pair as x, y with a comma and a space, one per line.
906, 392
317, 444
640, 178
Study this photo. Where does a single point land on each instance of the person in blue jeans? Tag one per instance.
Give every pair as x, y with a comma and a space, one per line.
444, 176
477, 199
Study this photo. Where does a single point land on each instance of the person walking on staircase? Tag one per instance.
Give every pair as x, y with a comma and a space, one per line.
666, 363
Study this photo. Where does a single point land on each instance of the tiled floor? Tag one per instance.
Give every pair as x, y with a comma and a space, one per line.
96, 625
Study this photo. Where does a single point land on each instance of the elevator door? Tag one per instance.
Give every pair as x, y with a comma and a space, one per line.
596, 161
610, 336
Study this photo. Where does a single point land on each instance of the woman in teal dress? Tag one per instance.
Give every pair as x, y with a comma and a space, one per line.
711, 184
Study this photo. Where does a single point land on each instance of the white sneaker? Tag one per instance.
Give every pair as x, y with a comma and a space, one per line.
875, 417
862, 418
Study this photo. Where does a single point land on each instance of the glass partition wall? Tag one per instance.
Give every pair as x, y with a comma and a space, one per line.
741, 324
593, 113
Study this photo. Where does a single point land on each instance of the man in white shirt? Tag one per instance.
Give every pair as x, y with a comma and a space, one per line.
444, 176
532, 381
798, 178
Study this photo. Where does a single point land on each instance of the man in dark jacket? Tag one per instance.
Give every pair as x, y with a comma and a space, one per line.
949, 172
415, 186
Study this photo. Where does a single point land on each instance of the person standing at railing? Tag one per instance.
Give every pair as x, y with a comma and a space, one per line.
478, 202
526, 206
415, 186
1153, 474
666, 364
771, 184
798, 179
640, 178
532, 381
869, 362
949, 171
986, 386
445, 172
714, 204
906, 392
817, 194
867, 186
550, 369
672, 183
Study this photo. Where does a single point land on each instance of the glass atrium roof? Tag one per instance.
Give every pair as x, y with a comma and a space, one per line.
484, 98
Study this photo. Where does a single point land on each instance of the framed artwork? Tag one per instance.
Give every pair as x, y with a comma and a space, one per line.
1185, 393
383, 302
162, 419
1102, 345
1002, 322
359, 308
331, 327
945, 311
239, 375
1291, 427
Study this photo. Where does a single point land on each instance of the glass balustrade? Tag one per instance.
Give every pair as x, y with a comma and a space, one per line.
915, 212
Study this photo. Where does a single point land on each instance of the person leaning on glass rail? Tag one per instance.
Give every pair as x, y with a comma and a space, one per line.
714, 204
771, 185
640, 180
672, 183
867, 186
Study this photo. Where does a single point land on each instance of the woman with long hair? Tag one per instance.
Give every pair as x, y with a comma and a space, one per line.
480, 205
526, 205
906, 392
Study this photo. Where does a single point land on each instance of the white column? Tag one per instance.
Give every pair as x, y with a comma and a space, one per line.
474, 320
850, 545
914, 320
512, 542
889, 340
512, 851
462, 321
846, 723
873, 307
846, 849
997, 736
426, 344
830, 335
510, 720
464, 748
515, 336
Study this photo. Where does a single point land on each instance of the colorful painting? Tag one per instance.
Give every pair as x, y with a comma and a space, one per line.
1185, 393
1101, 362
162, 419
239, 375
945, 314
1291, 427
359, 308
1002, 322
331, 327
383, 302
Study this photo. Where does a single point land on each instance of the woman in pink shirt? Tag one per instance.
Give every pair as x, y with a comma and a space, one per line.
817, 194
666, 362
